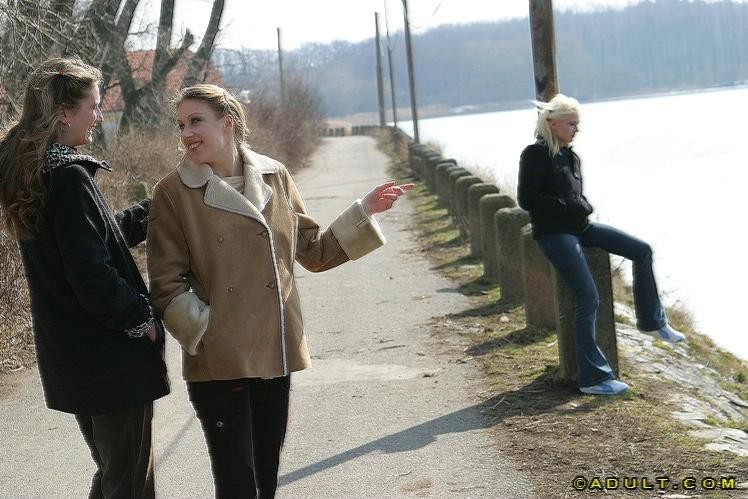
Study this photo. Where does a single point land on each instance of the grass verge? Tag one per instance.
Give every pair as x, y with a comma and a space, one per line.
549, 430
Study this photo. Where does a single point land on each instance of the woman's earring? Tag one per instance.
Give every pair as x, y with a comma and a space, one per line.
66, 128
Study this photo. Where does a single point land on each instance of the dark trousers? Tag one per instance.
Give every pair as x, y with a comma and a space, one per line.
244, 422
565, 253
120, 444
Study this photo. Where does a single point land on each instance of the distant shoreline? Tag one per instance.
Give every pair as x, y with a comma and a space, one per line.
442, 111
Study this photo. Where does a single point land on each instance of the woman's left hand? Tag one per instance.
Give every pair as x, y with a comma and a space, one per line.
382, 197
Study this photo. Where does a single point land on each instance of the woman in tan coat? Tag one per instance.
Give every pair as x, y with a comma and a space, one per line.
225, 229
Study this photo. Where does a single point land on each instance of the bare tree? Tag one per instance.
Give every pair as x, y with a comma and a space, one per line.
59, 17
143, 107
19, 43
200, 60
97, 30
101, 19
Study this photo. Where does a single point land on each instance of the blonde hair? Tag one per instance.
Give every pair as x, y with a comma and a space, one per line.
559, 106
56, 85
221, 102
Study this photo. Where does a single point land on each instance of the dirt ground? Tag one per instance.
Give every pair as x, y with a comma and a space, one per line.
568, 442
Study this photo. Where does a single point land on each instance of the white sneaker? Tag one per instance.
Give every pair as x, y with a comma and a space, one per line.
667, 333
609, 387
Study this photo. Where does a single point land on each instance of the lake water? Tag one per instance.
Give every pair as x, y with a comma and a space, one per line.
668, 169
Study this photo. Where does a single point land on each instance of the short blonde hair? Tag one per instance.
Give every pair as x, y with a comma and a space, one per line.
222, 103
559, 106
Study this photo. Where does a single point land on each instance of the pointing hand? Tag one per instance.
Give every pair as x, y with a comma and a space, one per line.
382, 197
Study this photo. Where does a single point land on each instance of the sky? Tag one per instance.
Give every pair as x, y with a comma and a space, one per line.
253, 24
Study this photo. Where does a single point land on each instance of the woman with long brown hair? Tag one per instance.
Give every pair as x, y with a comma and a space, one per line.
99, 347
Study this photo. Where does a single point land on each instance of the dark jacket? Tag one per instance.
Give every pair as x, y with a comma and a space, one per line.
87, 292
550, 189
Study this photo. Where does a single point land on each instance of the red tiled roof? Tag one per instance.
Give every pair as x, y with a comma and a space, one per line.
141, 63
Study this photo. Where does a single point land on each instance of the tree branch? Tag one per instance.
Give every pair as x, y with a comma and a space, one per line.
202, 56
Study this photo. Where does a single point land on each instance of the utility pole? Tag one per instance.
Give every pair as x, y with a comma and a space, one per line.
380, 83
411, 76
543, 49
280, 71
389, 61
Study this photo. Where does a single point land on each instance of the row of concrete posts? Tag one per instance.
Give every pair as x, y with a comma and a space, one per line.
343, 131
500, 234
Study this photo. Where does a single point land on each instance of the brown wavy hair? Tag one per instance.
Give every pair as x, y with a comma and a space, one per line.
56, 85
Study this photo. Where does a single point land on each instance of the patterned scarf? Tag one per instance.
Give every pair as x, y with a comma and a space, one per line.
58, 155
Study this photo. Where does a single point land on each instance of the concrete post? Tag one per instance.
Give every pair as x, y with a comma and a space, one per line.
411, 153
536, 277
508, 223
432, 161
411, 72
599, 263
414, 157
475, 193
438, 173
380, 79
449, 190
392, 73
488, 206
461, 203
280, 71
442, 176
428, 156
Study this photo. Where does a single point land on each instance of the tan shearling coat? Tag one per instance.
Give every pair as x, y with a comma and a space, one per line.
221, 266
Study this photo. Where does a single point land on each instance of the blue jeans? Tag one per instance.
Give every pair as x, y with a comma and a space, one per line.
565, 253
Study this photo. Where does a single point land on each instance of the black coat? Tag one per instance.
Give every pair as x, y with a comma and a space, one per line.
85, 292
550, 189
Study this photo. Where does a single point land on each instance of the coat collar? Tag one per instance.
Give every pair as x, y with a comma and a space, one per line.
58, 155
195, 175
220, 195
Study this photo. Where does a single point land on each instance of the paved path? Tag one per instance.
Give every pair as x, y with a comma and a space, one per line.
384, 412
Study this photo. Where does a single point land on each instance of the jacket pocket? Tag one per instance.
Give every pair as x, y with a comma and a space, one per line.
578, 205
187, 318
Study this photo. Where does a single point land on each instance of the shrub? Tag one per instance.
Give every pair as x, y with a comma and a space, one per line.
137, 156
16, 338
289, 133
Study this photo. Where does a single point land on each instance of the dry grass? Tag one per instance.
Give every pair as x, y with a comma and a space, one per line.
135, 157
289, 133
733, 370
16, 337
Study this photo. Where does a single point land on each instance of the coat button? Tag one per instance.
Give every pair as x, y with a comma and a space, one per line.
264, 234
271, 285
219, 239
231, 289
